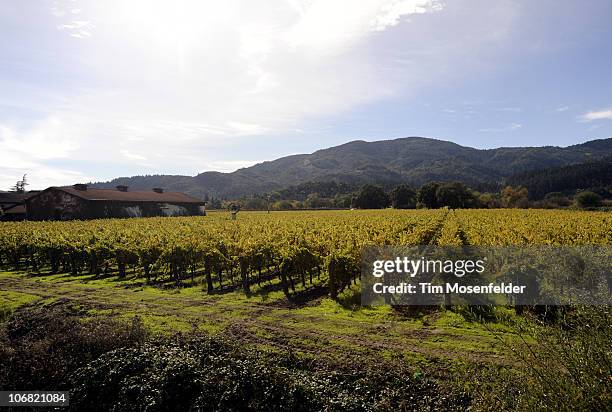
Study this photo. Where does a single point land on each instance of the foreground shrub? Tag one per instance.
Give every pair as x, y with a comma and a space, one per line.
209, 374
40, 346
566, 366
112, 365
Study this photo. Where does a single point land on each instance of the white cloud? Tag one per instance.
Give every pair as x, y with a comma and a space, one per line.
76, 25
392, 12
48, 139
130, 155
604, 114
188, 78
26, 152
231, 165
325, 23
247, 128
562, 109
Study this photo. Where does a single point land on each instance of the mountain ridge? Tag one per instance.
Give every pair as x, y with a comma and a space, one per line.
413, 160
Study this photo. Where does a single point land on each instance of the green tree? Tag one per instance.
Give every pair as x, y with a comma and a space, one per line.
455, 195
342, 200
20, 185
588, 199
275, 196
314, 201
215, 203
403, 197
426, 196
488, 200
283, 205
554, 200
371, 197
255, 203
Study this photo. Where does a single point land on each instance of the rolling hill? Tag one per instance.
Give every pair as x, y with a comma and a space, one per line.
412, 160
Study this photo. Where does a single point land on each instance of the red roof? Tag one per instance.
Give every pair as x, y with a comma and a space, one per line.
129, 196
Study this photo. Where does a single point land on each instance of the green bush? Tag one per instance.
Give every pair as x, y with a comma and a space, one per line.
371, 197
40, 346
588, 199
562, 367
210, 374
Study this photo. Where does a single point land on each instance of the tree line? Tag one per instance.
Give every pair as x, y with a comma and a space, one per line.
431, 195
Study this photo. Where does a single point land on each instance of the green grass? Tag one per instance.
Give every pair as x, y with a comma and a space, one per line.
322, 328
10, 300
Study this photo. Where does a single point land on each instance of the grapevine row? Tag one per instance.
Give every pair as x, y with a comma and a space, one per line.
293, 248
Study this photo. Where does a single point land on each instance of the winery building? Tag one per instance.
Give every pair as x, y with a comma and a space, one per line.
82, 202
12, 205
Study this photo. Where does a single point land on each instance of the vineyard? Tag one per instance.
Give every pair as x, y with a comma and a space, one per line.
296, 250
278, 294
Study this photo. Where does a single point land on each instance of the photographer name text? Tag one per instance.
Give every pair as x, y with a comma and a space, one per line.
429, 288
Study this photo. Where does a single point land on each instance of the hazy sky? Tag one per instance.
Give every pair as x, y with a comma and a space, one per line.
91, 90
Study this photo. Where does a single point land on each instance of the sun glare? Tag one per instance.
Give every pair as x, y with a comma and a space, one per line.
168, 23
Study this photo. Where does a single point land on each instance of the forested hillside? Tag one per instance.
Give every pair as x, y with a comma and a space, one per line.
597, 174
411, 160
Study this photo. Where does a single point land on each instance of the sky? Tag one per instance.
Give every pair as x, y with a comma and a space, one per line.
91, 90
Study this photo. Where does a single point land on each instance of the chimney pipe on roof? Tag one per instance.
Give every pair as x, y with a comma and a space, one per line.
80, 186
158, 190
122, 188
